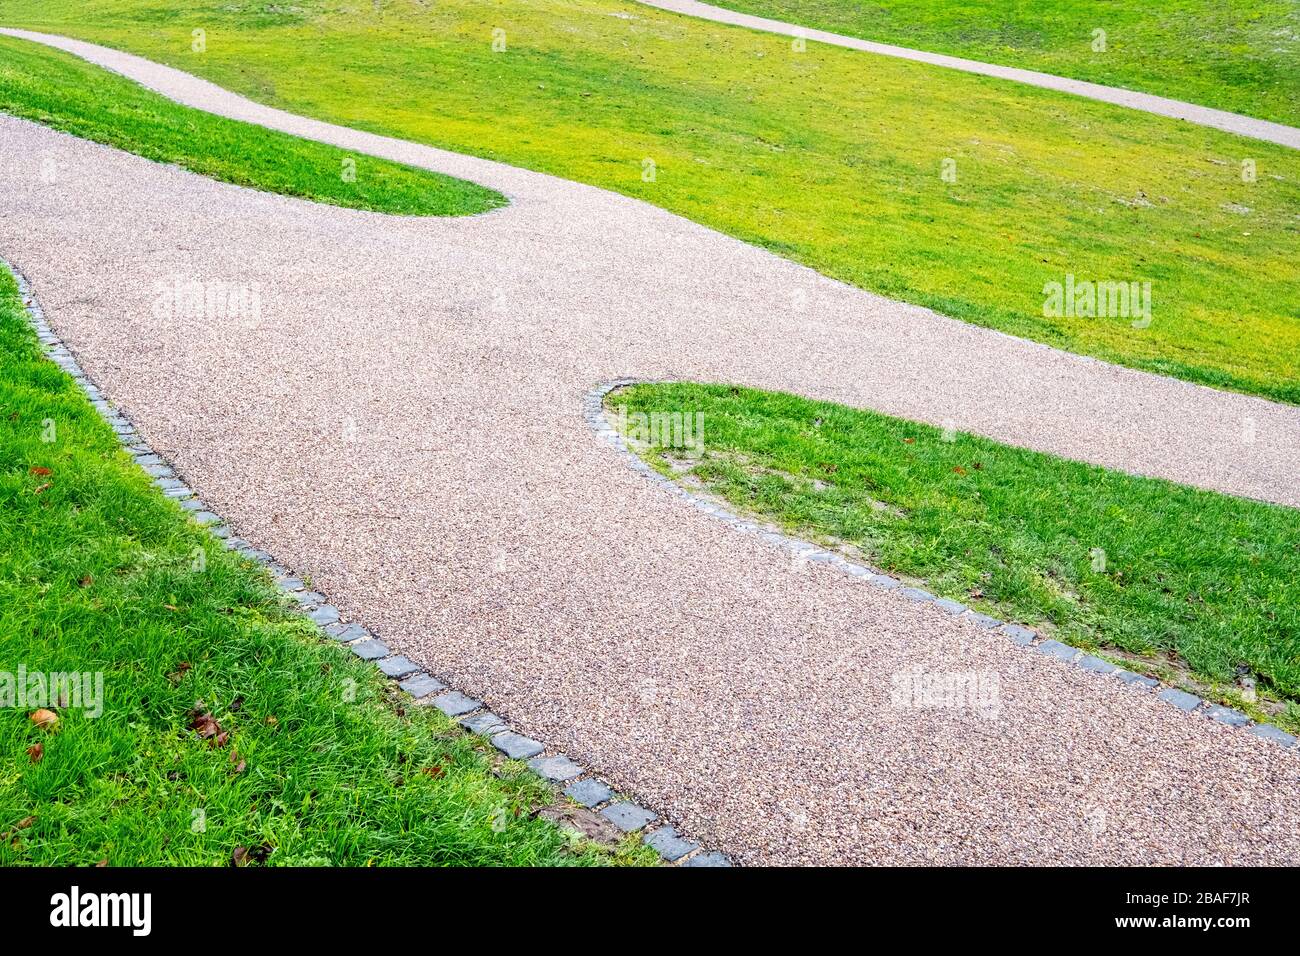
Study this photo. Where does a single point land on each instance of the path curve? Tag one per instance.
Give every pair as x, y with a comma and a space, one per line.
1147, 102
404, 424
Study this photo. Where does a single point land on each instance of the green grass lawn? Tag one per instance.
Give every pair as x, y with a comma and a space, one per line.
830, 157
66, 93
323, 764
1192, 584
1238, 55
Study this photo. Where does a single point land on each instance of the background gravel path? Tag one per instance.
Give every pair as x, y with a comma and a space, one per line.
404, 425
1147, 102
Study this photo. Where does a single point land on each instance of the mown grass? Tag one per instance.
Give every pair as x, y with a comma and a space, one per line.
324, 764
1198, 585
68, 94
1238, 55
830, 157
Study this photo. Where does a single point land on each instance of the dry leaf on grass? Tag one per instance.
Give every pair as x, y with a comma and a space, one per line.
181, 670
247, 856
22, 824
203, 723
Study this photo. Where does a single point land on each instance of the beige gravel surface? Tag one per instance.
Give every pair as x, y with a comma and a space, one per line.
1147, 102
403, 423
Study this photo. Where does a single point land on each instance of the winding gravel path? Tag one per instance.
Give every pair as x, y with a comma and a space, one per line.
404, 424
1147, 102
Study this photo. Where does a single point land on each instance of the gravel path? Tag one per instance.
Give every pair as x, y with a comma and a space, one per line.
1147, 102
403, 423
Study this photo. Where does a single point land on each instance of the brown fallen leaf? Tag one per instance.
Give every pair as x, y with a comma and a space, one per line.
86, 581
240, 765
271, 721
181, 670
170, 607
583, 822
221, 738
40, 471
44, 719
246, 856
12, 835
205, 725
909, 441
41, 488
958, 470
435, 771
102, 863
36, 752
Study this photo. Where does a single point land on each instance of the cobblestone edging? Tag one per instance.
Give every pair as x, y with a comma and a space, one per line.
588, 793
594, 412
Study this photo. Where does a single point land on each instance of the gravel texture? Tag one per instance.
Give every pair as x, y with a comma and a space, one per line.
1147, 102
403, 426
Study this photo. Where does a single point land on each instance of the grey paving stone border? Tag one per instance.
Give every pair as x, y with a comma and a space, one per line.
593, 409
552, 766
